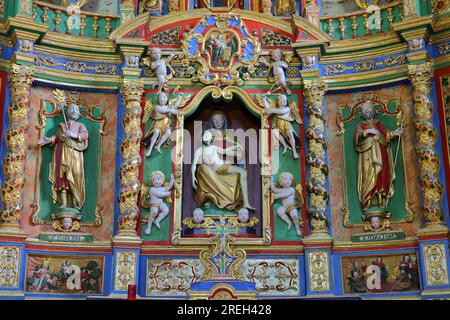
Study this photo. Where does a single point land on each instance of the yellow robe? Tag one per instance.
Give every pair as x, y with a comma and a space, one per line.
219, 187
69, 153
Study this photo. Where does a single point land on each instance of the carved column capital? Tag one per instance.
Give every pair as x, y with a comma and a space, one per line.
420, 76
314, 91
131, 91
20, 79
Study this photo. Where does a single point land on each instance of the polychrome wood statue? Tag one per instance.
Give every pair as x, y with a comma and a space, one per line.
284, 115
216, 180
153, 198
160, 130
291, 201
67, 174
277, 66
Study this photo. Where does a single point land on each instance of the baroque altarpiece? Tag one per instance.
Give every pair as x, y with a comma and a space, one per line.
247, 149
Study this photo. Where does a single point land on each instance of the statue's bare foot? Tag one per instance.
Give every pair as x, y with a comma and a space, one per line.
249, 207
158, 225
158, 148
295, 154
298, 231
148, 152
148, 230
289, 226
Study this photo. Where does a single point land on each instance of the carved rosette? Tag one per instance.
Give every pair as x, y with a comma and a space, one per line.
314, 92
20, 79
132, 91
432, 189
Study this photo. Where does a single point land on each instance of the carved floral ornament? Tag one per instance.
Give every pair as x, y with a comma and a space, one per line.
221, 50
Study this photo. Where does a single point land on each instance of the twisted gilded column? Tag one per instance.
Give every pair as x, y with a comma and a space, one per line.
432, 189
314, 92
131, 91
20, 80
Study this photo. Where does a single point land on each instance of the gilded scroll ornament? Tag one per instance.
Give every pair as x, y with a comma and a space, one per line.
314, 92
172, 276
125, 270
221, 50
131, 91
273, 276
435, 264
432, 189
9, 266
319, 275
20, 79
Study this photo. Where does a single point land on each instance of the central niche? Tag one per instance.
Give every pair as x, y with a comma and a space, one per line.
229, 173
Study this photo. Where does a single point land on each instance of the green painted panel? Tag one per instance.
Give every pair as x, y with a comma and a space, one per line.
397, 203
91, 167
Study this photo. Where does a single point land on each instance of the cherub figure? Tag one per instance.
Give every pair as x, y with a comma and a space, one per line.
284, 115
153, 198
160, 65
291, 200
160, 131
278, 65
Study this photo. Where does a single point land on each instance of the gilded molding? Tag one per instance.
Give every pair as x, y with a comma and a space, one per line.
432, 189
319, 274
20, 79
314, 92
9, 266
131, 91
75, 66
435, 264
125, 270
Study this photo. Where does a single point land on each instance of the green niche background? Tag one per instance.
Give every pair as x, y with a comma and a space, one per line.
162, 162
92, 158
396, 204
287, 163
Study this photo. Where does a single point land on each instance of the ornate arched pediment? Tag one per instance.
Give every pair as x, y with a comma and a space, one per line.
286, 31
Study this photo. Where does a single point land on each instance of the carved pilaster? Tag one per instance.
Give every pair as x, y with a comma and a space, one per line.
314, 92
432, 189
20, 80
131, 91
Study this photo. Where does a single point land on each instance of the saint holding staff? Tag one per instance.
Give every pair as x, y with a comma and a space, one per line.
66, 172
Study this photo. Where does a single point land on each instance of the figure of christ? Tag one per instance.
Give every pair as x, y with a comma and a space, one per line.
375, 163
66, 172
216, 180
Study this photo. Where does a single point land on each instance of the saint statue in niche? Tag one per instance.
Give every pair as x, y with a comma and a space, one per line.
67, 167
66, 171
375, 169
